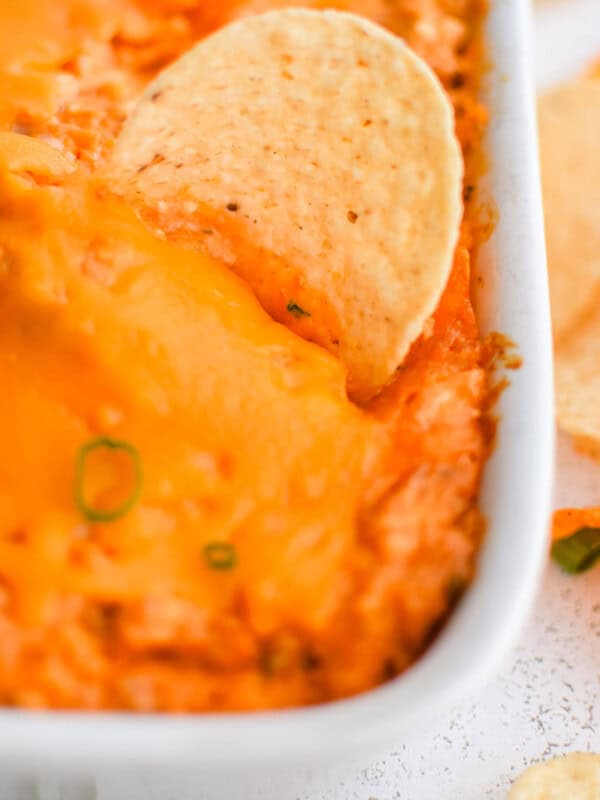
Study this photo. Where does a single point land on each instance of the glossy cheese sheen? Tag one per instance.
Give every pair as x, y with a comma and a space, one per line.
230, 410
355, 529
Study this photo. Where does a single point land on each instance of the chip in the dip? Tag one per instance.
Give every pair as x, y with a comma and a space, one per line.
569, 123
315, 153
575, 776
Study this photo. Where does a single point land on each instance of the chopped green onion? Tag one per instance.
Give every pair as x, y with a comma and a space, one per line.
296, 311
578, 552
98, 514
220, 555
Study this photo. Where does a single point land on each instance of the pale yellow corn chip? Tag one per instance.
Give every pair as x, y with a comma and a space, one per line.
315, 154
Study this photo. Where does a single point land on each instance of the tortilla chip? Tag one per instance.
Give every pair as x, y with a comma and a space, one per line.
578, 383
569, 119
315, 154
575, 776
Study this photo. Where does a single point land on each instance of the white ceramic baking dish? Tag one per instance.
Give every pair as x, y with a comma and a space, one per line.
231, 754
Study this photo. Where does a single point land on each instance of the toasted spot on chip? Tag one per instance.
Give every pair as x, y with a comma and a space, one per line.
321, 155
575, 776
569, 119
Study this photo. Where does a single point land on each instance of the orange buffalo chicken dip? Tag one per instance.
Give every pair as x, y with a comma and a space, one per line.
195, 514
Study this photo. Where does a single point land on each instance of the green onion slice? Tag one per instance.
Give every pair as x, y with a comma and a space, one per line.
578, 552
296, 311
220, 555
106, 515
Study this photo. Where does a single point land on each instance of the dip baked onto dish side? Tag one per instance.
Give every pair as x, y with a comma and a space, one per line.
245, 398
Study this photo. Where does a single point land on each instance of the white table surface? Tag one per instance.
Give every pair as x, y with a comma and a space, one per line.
546, 698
